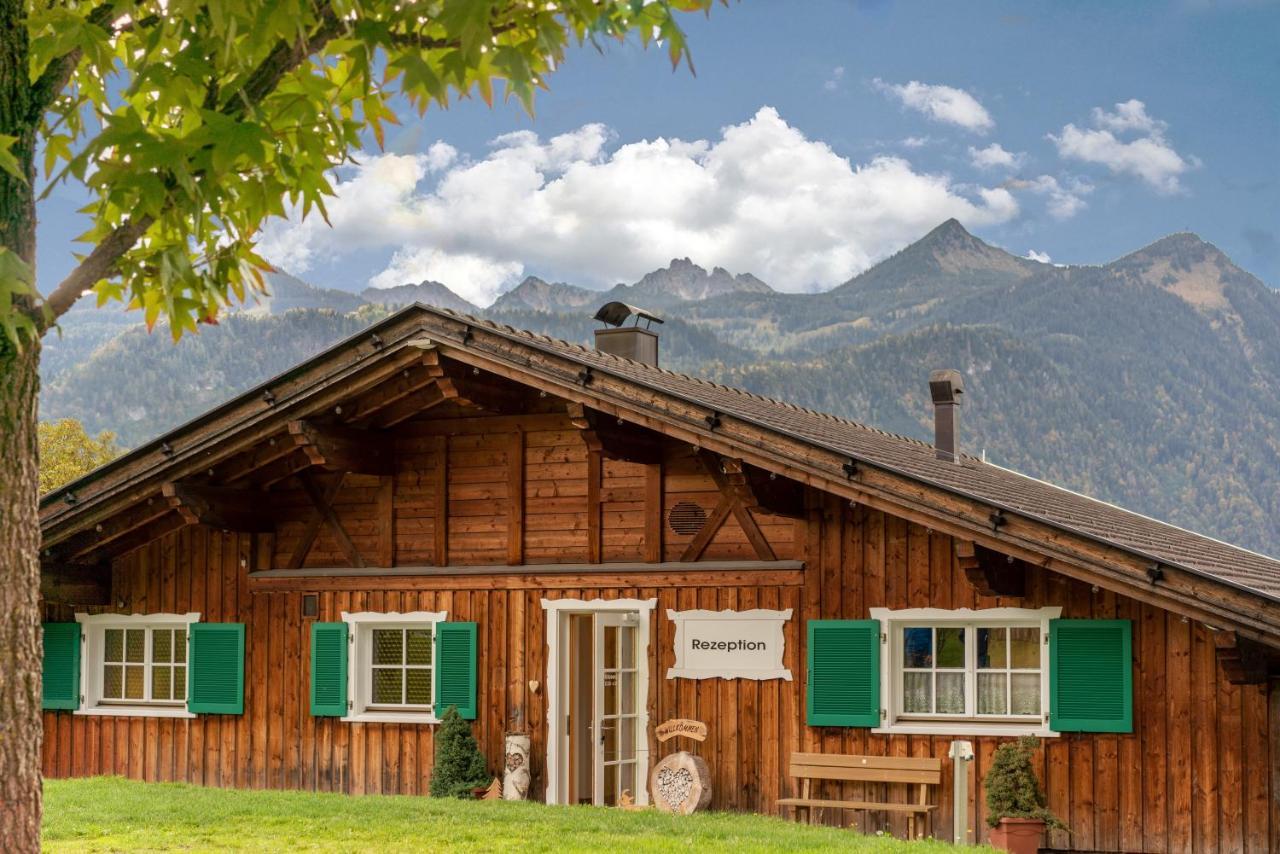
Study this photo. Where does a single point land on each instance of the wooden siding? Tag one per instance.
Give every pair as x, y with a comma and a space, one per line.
1200, 772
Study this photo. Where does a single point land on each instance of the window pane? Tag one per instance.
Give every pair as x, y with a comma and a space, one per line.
162, 683
627, 777
388, 646
114, 650
388, 686
626, 738
627, 635
133, 685
113, 682
917, 647
609, 739
951, 647
162, 645
1025, 644
991, 694
917, 691
610, 785
419, 646
419, 687
135, 644
179, 683
991, 649
610, 694
1026, 693
950, 692
180, 646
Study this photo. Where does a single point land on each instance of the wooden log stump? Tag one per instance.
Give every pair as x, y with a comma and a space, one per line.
681, 784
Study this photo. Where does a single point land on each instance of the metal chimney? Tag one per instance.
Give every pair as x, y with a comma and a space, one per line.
946, 387
629, 342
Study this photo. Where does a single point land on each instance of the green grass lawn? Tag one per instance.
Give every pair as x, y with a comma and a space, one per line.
112, 814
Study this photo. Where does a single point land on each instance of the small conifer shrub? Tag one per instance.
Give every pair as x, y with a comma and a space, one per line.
459, 764
1013, 789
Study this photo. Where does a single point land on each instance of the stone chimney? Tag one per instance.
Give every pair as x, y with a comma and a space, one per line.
946, 388
629, 342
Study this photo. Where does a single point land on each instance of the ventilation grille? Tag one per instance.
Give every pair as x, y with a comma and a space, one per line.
687, 518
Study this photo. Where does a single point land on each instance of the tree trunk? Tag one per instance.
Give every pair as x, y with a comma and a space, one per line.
20, 720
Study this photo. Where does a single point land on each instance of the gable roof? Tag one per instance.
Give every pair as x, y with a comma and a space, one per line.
1001, 490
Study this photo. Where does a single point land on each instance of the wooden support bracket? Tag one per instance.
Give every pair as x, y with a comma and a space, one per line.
340, 448
223, 507
991, 573
736, 492
617, 439
1243, 662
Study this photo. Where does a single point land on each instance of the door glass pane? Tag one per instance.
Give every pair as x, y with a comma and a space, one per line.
418, 687
627, 635
419, 646
626, 693
991, 694
114, 650
162, 645
917, 693
610, 647
133, 684
609, 731
162, 683
387, 685
1025, 643
991, 648
950, 693
179, 683
917, 647
112, 681
180, 645
388, 646
627, 778
626, 738
135, 645
610, 785
1026, 693
610, 694
951, 647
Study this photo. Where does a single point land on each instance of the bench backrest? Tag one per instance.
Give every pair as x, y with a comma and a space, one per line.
877, 769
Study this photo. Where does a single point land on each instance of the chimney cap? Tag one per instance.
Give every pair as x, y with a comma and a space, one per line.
616, 313
946, 386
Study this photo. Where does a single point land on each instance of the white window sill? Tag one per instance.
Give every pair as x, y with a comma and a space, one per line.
136, 712
390, 718
972, 728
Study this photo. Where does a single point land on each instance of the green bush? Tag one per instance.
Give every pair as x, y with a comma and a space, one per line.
1013, 789
459, 764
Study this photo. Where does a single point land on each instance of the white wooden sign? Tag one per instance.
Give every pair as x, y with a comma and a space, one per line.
729, 644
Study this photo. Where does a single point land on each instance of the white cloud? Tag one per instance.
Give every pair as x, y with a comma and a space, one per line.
1064, 200
940, 103
832, 83
994, 156
761, 198
1148, 157
915, 142
1042, 257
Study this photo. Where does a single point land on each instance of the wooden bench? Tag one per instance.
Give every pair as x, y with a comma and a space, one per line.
909, 771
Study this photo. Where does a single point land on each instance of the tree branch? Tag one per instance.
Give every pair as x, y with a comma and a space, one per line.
58, 74
97, 266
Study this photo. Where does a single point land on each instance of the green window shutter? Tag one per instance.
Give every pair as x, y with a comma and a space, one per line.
60, 677
328, 669
844, 673
217, 668
1091, 675
456, 668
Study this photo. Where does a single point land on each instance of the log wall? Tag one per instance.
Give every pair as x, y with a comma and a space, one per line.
1201, 772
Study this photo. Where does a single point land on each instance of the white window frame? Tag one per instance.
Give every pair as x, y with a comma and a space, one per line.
891, 625
360, 626
93, 628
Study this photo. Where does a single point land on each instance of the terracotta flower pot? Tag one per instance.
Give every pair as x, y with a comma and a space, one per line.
1017, 835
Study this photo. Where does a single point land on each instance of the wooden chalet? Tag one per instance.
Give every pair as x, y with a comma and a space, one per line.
289, 590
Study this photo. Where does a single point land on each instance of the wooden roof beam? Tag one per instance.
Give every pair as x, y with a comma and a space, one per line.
337, 447
105, 533
420, 400
222, 507
1244, 662
617, 439
87, 584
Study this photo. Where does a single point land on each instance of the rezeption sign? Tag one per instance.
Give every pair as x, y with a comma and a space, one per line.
729, 644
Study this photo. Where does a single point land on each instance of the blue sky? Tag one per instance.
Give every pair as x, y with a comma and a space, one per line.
817, 137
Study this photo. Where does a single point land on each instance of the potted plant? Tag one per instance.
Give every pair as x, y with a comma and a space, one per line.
459, 769
1016, 809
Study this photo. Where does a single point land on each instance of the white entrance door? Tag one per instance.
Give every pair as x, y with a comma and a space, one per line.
616, 709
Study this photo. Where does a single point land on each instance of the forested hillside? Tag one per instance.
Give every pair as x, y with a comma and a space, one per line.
1150, 381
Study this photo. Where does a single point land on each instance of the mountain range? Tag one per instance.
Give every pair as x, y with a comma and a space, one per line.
1150, 381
